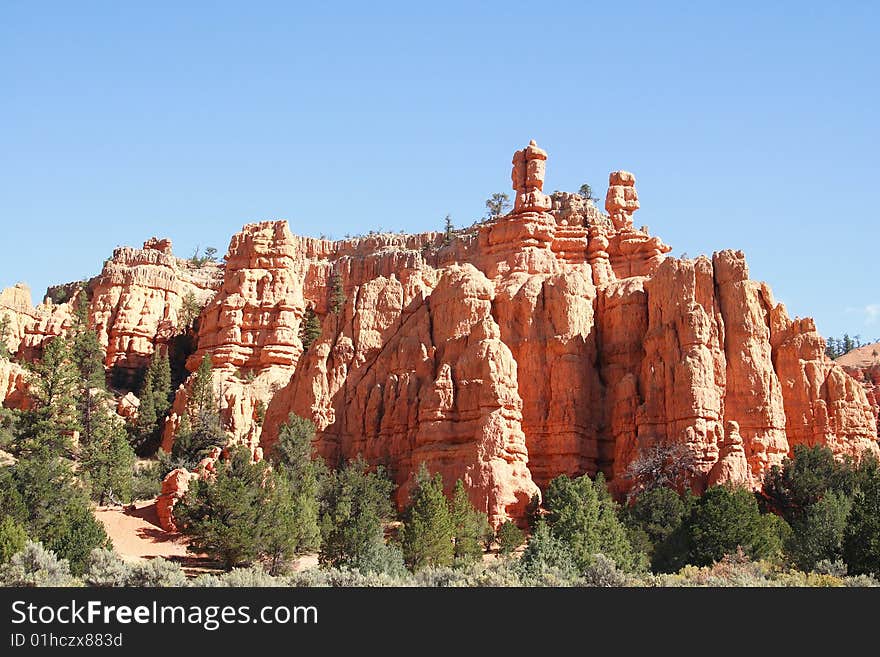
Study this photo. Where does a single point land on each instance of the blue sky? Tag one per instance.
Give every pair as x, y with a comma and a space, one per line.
749, 125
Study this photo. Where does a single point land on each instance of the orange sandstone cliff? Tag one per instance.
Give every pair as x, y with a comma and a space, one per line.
555, 339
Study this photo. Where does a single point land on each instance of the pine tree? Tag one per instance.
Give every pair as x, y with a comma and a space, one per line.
337, 294
202, 399
510, 537
470, 526
108, 462
291, 520
145, 425
293, 527
41, 492
200, 429
154, 404
53, 416
13, 536
448, 230
725, 519
4, 337
88, 357
226, 518
861, 544
582, 514
160, 366
428, 532
310, 330
497, 205
354, 503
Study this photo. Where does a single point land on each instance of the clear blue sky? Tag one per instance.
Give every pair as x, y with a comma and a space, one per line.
750, 125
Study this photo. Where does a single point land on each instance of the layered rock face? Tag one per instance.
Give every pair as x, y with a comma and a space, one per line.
556, 339
137, 301
29, 326
863, 364
135, 305
250, 329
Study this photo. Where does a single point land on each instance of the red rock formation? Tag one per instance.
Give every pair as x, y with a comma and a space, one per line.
30, 326
176, 484
556, 339
174, 487
863, 364
138, 298
13, 385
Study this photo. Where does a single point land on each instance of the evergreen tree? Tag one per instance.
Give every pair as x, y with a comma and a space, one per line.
155, 401
470, 527
586, 192
337, 294
4, 337
547, 553
448, 230
725, 519
818, 533
108, 463
582, 514
861, 545
803, 480
428, 532
226, 518
310, 330
189, 312
202, 399
147, 417
659, 514
88, 357
160, 367
510, 537
13, 536
53, 416
497, 205
41, 492
200, 429
293, 526
354, 504
291, 520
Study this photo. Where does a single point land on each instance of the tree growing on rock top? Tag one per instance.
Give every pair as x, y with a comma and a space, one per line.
497, 205
310, 329
337, 294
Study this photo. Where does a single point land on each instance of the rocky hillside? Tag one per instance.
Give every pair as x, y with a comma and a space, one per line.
863, 364
554, 339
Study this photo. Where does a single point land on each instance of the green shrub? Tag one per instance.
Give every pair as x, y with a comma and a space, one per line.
35, 566
510, 537
156, 572
13, 538
106, 569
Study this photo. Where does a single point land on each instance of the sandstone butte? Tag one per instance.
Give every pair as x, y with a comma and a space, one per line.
556, 339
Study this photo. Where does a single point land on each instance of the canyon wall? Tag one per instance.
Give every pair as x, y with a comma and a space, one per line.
554, 339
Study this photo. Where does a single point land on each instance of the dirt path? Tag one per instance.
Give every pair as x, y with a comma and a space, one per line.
136, 534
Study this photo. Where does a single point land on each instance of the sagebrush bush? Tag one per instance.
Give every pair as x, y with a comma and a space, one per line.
36, 566
343, 577
603, 572
156, 572
255, 576
105, 568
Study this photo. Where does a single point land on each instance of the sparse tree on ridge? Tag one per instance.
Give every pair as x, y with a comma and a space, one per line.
497, 205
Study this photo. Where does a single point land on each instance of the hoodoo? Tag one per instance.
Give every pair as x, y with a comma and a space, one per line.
555, 339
